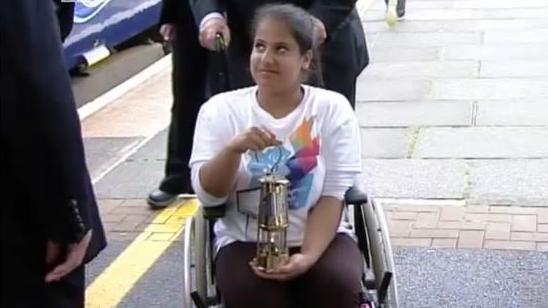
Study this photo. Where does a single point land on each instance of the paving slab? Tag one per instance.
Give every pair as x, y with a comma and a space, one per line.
457, 25
101, 153
482, 142
410, 40
501, 4
509, 181
478, 89
512, 113
529, 68
388, 54
421, 70
386, 142
496, 52
131, 179
517, 37
471, 14
155, 149
398, 114
415, 5
392, 90
415, 178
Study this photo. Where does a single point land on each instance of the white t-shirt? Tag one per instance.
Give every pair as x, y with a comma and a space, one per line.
319, 155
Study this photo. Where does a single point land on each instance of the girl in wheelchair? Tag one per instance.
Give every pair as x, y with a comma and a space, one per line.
306, 134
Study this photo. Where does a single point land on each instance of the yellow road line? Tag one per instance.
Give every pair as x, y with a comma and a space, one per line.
120, 276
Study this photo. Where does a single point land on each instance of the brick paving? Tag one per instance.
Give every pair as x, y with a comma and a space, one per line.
429, 225
125, 219
462, 226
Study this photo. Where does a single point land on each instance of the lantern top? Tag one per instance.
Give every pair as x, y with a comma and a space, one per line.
271, 178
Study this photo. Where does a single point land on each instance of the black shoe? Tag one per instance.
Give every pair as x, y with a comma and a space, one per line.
160, 199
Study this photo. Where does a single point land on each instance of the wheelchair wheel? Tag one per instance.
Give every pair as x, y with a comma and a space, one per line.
189, 254
201, 248
379, 259
199, 288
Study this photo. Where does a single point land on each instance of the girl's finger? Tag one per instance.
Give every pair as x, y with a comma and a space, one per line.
258, 141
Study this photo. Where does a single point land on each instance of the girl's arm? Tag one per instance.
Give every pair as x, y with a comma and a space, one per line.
321, 227
218, 175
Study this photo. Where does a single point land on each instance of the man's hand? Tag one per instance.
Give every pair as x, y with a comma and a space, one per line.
298, 264
168, 32
210, 29
320, 34
74, 257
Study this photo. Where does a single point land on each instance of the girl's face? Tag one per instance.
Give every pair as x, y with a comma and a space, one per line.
276, 61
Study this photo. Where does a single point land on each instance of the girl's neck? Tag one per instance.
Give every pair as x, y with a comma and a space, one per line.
280, 104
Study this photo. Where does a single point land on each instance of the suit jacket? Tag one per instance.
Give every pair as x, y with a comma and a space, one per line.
240, 12
345, 46
176, 12
48, 193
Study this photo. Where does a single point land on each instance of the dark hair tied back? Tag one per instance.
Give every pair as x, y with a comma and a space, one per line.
302, 26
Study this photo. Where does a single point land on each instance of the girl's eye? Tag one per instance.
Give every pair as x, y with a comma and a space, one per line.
282, 49
259, 46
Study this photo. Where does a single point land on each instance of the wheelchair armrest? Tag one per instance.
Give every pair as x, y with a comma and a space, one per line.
355, 196
214, 212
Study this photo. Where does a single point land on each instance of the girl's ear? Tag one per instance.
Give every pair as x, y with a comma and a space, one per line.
307, 59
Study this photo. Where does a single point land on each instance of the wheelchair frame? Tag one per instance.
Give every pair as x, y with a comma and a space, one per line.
370, 228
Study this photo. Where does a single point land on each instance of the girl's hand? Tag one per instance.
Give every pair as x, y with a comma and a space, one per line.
298, 264
253, 139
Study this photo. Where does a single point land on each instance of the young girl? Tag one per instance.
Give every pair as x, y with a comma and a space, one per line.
308, 135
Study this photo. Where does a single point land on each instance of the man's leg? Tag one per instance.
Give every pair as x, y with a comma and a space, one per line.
188, 86
344, 56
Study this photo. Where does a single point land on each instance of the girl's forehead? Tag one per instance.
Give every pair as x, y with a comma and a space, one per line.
274, 30
274, 25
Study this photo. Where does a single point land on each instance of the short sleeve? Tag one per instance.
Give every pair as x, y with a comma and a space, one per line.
212, 131
342, 150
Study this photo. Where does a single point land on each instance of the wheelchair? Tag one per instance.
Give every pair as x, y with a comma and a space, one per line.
371, 232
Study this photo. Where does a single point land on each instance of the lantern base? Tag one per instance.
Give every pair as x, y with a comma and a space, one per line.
268, 262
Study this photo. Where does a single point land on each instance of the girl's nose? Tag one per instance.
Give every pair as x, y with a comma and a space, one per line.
268, 56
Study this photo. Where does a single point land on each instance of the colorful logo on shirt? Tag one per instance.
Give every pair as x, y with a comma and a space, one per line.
297, 168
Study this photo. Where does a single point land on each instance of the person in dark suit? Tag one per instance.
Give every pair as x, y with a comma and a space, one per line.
65, 15
50, 221
188, 87
338, 29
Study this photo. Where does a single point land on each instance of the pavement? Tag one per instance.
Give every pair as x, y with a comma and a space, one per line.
454, 119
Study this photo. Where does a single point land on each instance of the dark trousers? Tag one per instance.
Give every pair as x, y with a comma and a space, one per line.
334, 281
65, 16
188, 86
340, 74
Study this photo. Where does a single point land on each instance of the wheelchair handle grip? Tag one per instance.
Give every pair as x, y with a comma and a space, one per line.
220, 44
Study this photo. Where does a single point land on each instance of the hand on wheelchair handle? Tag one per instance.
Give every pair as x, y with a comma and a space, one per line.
253, 139
298, 264
168, 32
211, 29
